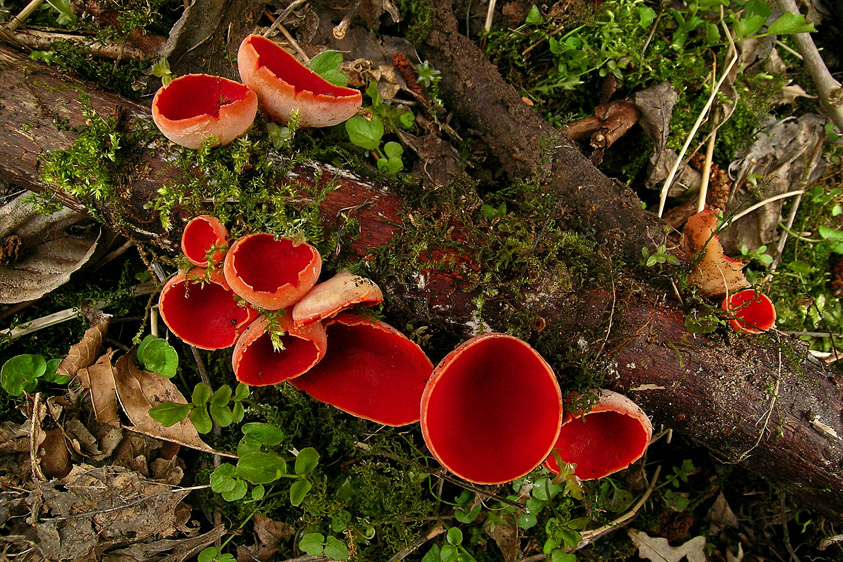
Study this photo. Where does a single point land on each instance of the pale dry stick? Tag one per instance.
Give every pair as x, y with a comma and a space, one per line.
342, 28
27, 11
490, 14
827, 542
830, 90
706, 171
280, 19
588, 537
43, 40
812, 164
760, 204
294, 43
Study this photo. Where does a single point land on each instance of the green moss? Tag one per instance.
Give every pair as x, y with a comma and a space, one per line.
419, 15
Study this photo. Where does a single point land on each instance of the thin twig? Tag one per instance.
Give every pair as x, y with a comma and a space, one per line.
760, 204
25, 13
786, 532
280, 19
490, 14
43, 40
434, 532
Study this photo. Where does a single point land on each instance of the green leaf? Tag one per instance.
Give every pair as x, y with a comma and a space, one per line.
749, 24
221, 396
534, 16
527, 521
223, 415
261, 468
464, 516
454, 536
448, 553
432, 555
169, 413
800, 266
325, 61
50, 374
20, 373
701, 324
201, 394
833, 237
393, 149
264, 433
248, 444
312, 544
238, 492
335, 549
241, 392
646, 17
407, 119
208, 555
299, 490
238, 411
562, 556
144, 342
258, 492
364, 133
222, 478
306, 461
789, 23
159, 357
200, 419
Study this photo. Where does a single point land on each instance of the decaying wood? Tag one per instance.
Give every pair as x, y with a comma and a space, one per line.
759, 402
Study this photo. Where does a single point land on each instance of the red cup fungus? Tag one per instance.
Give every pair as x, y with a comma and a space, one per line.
201, 234
203, 312
611, 436
271, 273
284, 85
753, 312
338, 293
257, 362
197, 106
371, 370
492, 409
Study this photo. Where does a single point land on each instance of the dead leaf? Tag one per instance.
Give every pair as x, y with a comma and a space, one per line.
505, 536
53, 455
84, 353
658, 549
166, 550
140, 390
14, 438
51, 247
715, 274
721, 515
99, 379
271, 532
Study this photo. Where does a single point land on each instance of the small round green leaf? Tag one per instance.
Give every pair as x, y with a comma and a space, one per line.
265, 433
201, 420
169, 413
241, 392
454, 536
50, 374
238, 492
448, 553
160, 357
299, 490
261, 468
248, 444
221, 396
237, 412
222, 414
335, 549
306, 461
208, 555
20, 373
364, 133
258, 492
312, 544
201, 394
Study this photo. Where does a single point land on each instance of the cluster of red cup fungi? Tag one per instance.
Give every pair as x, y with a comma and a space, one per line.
490, 411
716, 274
195, 107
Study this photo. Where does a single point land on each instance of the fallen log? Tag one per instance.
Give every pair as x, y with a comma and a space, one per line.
762, 403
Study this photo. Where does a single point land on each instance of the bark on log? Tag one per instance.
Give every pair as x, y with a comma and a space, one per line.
759, 402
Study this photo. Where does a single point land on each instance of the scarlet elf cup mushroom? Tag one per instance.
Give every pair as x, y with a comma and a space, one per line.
271, 273
608, 438
753, 312
201, 235
194, 107
284, 86
492, 409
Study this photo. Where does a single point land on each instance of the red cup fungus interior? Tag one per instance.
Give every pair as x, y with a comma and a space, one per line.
492, 410
257, 362
285, 66
205, 315
600, 444
370, 370
202, 233
198, 94
753, 311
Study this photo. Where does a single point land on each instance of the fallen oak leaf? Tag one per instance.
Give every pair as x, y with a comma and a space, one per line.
140, 390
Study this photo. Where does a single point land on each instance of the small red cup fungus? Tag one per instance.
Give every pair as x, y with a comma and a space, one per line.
256, 362
284, 85
202, 233
371, 370
753, 312
203, 312
197, 106
271, 273
338, 293
492, 409
611, 436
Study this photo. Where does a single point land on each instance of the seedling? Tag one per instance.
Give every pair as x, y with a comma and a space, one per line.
20, 374
220, 406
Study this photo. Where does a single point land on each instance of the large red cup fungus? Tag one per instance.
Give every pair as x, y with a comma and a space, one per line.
753, 312
201, 234
197, 106
284, 85
492, 409
271, 273
338, 293
257, 362
203, 312
611, 436
371, 370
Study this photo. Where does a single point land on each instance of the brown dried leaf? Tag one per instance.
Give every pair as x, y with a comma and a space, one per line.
505, 536
721, 515
166, 550
99, 379
715, 274
271, 532
140, 390
84, 353
658, 549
